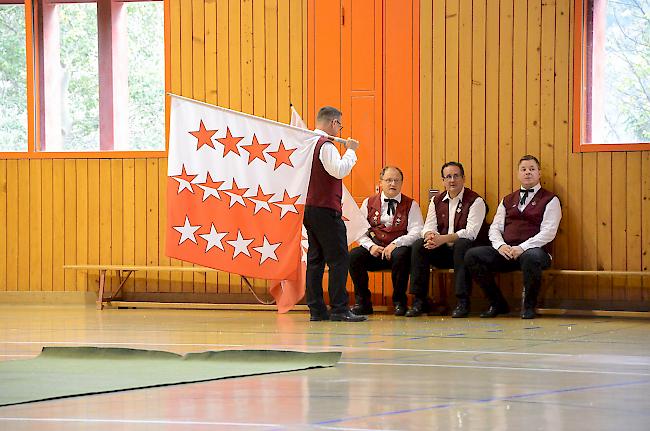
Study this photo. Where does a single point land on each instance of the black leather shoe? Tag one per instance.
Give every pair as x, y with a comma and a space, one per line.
528, 313
362, 309
495, 310
461, 310
346, 316
400, 309
318, 317
419, 308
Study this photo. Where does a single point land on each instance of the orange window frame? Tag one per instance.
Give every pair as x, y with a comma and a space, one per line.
33, 108
580, 83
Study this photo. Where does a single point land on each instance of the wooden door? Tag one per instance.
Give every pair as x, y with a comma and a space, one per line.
345, 71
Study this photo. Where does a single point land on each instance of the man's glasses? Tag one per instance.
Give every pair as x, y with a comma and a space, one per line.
452, 177
392, 180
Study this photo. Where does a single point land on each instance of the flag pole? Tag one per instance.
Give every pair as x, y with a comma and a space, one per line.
277, 123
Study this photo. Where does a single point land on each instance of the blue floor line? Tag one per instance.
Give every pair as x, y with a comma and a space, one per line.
484, 401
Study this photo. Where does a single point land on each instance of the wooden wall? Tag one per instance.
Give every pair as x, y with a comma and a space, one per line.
496, 83
243, 54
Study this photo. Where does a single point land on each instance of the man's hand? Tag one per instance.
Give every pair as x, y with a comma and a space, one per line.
506, 251
516, 251
387, 251
434, 240
352, 144
376, 250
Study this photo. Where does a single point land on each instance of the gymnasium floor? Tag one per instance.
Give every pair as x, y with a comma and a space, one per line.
433, 373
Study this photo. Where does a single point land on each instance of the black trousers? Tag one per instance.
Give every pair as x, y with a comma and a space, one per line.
440, 257
483, 262
327, 244
361, 261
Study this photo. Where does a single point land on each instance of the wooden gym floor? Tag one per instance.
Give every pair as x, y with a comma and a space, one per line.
427, 373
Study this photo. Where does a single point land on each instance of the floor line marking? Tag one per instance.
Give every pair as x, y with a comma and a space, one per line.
135, 421
484, 401
550, 370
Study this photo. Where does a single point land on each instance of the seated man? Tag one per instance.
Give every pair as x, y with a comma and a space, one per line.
521, 233
455, 223
395, 222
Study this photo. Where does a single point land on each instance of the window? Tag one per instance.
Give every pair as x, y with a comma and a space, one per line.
612, 75
82, 76
13, 79
102, 80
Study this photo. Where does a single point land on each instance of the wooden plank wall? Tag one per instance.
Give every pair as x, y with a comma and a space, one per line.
496, 83
248, 55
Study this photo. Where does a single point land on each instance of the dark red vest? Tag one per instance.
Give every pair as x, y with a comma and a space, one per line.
460, 218
380, 233
324, 190
522, 225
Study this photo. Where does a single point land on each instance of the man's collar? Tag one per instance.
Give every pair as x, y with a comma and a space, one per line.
320, 132
535, 188
398, 198
459, 195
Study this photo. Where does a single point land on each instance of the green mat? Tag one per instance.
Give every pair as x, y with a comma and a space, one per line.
69, 371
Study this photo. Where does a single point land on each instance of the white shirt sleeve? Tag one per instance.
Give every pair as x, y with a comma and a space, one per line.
414, 229
431, 224
364, 240
474, 220
548, 228
496, 228
335, 165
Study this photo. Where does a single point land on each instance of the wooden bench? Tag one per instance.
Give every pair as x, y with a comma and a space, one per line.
441, 273
123, 272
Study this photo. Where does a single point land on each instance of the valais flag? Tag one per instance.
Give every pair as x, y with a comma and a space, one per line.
236, 191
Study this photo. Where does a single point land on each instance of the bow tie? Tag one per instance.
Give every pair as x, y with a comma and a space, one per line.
392, 203
524, 195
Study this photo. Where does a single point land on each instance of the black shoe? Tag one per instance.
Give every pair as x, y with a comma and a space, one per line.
419, 308
461, 310
317, 317
528, 313
346, 316
495, 310
400, 309
362, 309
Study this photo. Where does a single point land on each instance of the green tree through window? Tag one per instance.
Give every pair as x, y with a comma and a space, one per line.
13, 79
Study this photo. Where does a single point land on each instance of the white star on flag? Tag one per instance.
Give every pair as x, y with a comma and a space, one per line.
285, 208
241, 245
259, 205
235, 197
209, 191
187, 231
267, 250
213, 238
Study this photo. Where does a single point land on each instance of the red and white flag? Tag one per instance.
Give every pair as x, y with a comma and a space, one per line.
236, 190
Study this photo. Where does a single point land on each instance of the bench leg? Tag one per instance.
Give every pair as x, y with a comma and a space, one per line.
122, 282
100, 295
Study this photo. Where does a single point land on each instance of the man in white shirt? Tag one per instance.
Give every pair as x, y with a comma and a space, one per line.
325, 229
521, 233
395, 223
455, 223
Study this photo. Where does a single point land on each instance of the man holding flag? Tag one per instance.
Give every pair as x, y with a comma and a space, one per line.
326, 231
